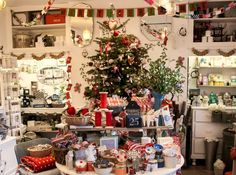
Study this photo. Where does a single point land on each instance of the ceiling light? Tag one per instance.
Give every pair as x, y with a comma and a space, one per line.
2, 4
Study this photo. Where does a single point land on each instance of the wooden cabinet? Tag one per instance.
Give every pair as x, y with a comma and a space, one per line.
202, 127
8, 158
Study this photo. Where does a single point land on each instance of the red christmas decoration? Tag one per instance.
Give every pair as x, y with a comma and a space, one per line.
71, 110
125, 41
67, 95
233, 153
116, 33
69, 87
77, 87
68, 60
69, 68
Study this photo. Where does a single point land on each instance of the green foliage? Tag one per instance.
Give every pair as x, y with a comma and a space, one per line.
117, 65
163, 79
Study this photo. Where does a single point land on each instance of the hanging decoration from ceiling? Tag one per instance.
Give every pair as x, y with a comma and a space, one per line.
226, 54
38, 17
200, 53
119, 13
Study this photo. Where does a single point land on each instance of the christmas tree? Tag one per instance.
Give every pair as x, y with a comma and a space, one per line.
118, 63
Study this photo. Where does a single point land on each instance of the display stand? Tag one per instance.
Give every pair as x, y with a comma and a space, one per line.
160, 171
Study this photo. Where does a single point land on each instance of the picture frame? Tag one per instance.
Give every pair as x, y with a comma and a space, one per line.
109, 142
23, 16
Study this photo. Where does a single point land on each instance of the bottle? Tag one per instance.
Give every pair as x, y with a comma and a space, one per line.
200, 79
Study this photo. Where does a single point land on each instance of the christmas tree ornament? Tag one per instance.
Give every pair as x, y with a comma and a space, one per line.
125, 41
69, 68
110, 61
67, 95
69, 87
121, 57
116, 33
115, 69
113, 23
130, 59
77, 87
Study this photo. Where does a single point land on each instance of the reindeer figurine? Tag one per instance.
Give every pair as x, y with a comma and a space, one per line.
151, 117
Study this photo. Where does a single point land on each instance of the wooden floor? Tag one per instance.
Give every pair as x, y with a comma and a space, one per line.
196, 170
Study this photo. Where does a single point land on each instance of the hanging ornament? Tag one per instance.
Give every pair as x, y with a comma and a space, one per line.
113, 24
100, 49
69, 87
115, 69
121, 57
67, 95
125, 41
116, 33
97, 65
69, 68
68, 60
110, 61
130, 59
108, 47
77, 87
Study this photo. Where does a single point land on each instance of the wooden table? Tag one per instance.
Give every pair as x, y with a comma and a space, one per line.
160, 171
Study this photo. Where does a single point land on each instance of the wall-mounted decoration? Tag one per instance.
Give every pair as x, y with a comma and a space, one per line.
200, 53
226, 54
182, 31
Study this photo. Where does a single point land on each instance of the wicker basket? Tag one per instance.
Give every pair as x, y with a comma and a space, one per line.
78, 121
40, 153
60, 155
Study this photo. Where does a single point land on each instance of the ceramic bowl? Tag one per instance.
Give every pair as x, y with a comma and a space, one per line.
103, 171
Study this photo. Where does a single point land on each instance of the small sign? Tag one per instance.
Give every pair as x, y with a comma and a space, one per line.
133, 118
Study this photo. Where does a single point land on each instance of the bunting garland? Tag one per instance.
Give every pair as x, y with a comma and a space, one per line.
119, 13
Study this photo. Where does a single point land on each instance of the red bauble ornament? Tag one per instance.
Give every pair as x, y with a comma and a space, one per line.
71, 110
116, 33
125, 41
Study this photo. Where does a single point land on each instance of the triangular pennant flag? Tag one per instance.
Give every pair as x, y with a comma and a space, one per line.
71, 12
151, 11
90, 13
109, 13
80, 13
130, 12
100, 13
140, 12
120, 12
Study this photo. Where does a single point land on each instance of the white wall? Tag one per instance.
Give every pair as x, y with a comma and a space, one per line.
2, 28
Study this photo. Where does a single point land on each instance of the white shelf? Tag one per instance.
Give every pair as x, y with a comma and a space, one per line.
208, 86
43, 110
214, 45
217, 19
41, 27
205, 67
40, 50
206, 108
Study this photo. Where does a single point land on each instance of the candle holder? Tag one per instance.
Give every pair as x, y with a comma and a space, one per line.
103, 99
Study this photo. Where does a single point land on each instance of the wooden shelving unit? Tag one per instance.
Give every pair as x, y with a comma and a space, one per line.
123, 129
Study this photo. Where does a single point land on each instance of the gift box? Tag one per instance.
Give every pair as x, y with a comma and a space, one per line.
55, 19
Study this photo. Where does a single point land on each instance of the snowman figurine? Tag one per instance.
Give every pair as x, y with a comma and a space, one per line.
150, 159
90, 153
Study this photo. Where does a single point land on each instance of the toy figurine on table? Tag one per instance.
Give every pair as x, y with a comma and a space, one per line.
121, 157
151, 162
213, 98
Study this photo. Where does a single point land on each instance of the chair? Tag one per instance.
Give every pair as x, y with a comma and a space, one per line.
21, 150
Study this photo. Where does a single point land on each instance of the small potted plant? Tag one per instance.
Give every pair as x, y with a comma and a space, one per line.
161, 79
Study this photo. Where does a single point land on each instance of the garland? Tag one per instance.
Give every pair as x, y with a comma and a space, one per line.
57, 56
38, 58
200, 53
69, 83
19, 57
226, 54
38, 17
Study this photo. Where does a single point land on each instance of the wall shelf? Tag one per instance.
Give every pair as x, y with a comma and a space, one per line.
43, 27
208, 86
124, 129
39, 50
217, 67
43, 110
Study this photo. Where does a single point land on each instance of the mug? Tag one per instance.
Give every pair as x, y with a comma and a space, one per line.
2, 4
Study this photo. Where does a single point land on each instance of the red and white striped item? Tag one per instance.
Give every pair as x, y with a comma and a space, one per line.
130, 145
116, 101
144, 102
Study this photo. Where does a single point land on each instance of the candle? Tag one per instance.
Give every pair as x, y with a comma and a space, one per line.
109, 118
98, 119
103, 99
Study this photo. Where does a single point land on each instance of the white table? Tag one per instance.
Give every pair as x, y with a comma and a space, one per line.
160, 171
